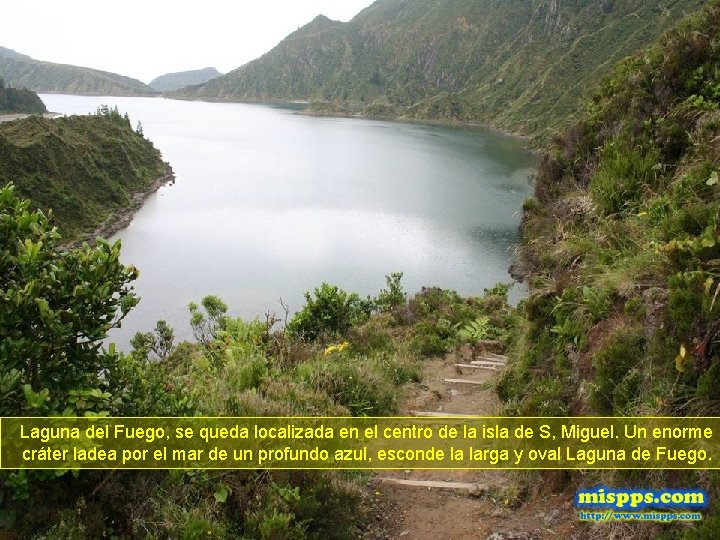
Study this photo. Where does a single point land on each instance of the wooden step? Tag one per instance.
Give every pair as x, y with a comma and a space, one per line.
497, 365
491, 359
464, 381
493, 367
438, 414
466, 486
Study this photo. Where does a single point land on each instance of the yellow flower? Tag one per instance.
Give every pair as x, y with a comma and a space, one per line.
340, 347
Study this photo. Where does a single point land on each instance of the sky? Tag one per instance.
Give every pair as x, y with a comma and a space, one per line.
147, 38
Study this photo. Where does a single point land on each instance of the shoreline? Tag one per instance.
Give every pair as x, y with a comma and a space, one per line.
122, 218
11, 117
532, 146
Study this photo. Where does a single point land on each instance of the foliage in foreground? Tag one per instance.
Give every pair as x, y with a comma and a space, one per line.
56, 307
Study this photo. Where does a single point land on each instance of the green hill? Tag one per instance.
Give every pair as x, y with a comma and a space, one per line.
23, 101
175, 81
521, 65
22, 71
622, 249
85, 168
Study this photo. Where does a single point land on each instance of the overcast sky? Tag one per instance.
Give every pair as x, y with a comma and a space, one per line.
146, 38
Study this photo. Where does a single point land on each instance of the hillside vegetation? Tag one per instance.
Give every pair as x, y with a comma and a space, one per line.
175, 81
84, 168
13, 100
22, 71
621, 246
523, 66
340, 355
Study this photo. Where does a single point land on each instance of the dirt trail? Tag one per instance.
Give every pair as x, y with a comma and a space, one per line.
422, 513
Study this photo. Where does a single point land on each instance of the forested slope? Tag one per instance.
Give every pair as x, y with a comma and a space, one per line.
84, 168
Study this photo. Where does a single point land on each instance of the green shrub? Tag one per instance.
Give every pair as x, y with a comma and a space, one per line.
431, 339
328, 313
475, 331
372, 337
623, 176
244, 373
623, 351
56, 308
354, 385
206, 325
394, 296
398, 369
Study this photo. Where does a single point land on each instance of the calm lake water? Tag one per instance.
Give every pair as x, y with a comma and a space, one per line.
269, 204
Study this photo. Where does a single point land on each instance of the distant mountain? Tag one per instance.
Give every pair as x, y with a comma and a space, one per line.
9, 53
521, 65
175, 81
21, 71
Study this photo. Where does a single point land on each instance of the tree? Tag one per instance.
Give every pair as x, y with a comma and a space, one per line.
207, 325
56, 308
160, 342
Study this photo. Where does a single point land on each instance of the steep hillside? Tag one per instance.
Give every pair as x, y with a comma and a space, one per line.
25, 101
24, 72
85, 168
622, 250
520, 65
175, 81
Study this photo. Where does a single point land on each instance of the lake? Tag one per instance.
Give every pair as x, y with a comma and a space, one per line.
268, 204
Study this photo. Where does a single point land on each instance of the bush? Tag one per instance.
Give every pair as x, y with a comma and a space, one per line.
430, 339
329, 313
613, 364
393, 297
621, 179
56, 308
207, 325
356, 386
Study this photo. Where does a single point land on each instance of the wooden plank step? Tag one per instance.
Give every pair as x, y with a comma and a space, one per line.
438, 414
464, 381
491, 367
486, 363
493, 359
466, 486
494, 367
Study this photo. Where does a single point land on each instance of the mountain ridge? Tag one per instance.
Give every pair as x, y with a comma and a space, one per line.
169, 82
520, 66
48, 77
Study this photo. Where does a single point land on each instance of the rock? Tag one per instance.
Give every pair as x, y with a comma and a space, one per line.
465, 352
487, 346
552, 517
